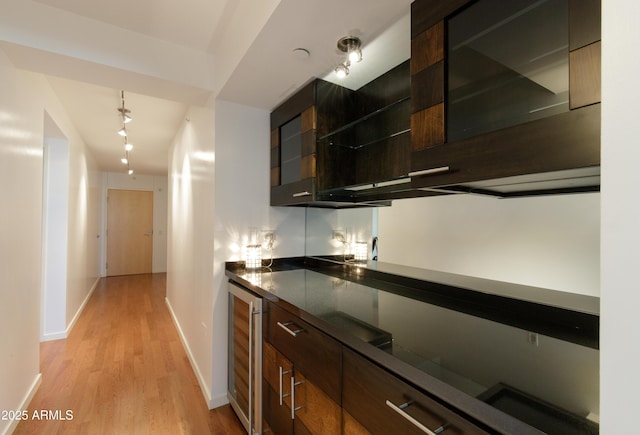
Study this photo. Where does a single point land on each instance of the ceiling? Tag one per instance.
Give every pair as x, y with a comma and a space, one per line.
167, 56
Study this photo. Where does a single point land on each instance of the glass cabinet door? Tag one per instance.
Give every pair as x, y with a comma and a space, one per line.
290, 151
508, 63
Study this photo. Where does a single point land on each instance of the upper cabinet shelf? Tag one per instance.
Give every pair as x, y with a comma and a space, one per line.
382, 124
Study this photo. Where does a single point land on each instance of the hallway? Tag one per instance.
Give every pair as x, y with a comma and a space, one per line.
122, 370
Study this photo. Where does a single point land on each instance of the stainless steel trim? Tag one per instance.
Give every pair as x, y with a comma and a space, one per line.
282, 396
400, 410
285, 327
253, 421
299, 194
293, 397
430, 171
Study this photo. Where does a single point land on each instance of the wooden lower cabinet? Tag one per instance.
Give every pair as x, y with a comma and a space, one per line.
314, 412
370, 393
351, 426
312, 384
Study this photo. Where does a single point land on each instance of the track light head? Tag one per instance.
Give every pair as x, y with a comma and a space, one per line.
342, 70
125, 114
351, 46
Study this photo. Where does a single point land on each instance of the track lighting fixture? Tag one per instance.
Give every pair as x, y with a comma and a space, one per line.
124, 112
351, 46
342, 70
125, 115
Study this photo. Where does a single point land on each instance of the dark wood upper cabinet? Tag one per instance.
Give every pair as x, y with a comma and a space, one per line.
499, 97
301, 166
352, 138
293, 148
503, 92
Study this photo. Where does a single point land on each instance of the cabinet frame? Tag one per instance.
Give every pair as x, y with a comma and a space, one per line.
536, 147
303, 394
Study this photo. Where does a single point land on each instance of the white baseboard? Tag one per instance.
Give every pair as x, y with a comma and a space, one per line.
53, 336
64, 334
24, 404
218, 401
203, 386
84, 303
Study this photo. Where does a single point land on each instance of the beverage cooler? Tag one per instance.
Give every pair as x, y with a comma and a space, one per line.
245, 357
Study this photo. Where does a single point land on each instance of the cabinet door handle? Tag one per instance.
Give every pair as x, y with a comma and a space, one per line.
285, 326
430, 171
282, 373
299, 194
294, 408
400, 410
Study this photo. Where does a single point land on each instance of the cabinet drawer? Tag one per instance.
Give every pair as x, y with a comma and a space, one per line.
369, 393
312, 352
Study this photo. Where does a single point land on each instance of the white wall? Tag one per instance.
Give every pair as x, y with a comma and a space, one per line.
190, 240
551, 242
150, 183
242, 203
356, 225
55, 214
20, 231
25, 99
218, 190
619, 303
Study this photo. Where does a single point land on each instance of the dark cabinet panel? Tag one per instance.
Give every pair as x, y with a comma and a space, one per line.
277, 418
302, 376
293, 106
293, 149
584, 23
384, 404
373, 145
511, 112
346, 138
427, 128
312, 352
298, 168
584, 78
427, 87
535, 147
426, 13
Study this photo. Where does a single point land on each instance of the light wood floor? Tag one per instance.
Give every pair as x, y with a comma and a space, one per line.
123, 370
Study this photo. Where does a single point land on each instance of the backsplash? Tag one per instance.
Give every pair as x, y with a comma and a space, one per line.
550, 241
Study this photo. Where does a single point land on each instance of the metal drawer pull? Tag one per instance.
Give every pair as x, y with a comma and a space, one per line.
299, 194
285, 326
400, 410
293, 398
430, 171
282, 396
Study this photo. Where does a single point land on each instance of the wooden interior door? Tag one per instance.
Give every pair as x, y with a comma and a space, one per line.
129, 232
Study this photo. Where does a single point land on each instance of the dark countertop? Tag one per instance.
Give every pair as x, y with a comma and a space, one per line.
469, 342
